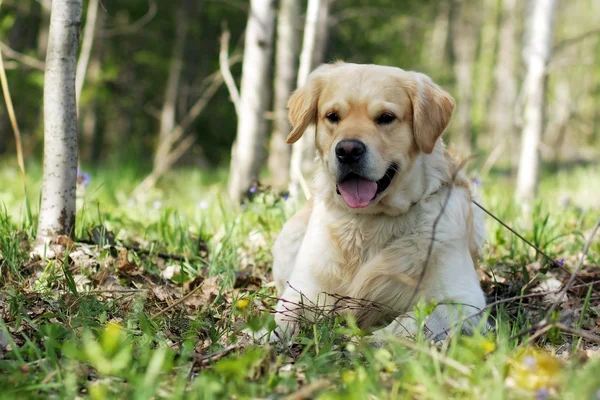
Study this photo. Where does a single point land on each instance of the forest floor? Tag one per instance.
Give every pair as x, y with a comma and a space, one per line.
152, 299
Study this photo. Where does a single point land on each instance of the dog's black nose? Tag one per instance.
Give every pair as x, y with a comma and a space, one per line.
349, 151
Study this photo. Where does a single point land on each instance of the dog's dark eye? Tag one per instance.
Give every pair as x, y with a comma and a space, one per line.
333, 117
386, 118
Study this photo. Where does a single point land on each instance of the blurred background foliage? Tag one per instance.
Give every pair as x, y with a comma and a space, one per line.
121, 100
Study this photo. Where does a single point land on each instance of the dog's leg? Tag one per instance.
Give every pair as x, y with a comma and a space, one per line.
286, 246
453, 284
303, 292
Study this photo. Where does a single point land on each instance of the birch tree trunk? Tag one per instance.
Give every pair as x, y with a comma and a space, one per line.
502, 121
436, 53
313, 51
248, 149
537, 54
286, 69
90, 134
57, 211
465, 27
86, 47
168, 112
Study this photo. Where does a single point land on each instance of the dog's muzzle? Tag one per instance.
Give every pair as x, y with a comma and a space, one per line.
358, 191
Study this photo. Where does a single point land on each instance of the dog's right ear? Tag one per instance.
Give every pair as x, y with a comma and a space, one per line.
303, 102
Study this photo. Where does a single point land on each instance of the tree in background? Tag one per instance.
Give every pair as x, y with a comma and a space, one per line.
57, 210
89, 34
502, 121
286, 70
167, 115
464, 25
247, 152
313, 53
537, 54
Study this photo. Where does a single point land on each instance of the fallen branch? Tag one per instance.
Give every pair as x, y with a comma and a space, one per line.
307, 391
176, 303
569, 283
140, 250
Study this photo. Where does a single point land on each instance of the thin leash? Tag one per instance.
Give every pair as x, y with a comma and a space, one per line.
554, 262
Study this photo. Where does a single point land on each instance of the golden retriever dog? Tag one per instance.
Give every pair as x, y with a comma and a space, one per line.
383, 180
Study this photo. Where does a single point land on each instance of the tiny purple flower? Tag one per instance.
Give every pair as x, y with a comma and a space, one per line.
83, 178
477, 182
286, 196
561, 262
542, 394
529, 361
252, 189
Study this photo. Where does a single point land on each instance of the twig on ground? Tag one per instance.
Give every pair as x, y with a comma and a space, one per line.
569, 283
176, 303
307, 391
219, 354
578, 332
137, 249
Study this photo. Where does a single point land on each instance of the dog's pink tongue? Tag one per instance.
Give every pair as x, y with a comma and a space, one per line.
357, 193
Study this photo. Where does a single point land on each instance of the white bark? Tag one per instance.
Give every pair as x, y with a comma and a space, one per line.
313, 48
57, 211
167, 115
286, 66
465, 27
248, 149
436, 51
502, 121
86, 47
537, 54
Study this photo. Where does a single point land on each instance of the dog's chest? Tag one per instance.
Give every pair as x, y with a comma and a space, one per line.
357, 239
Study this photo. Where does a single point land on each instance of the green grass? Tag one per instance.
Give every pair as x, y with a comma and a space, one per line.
103, 322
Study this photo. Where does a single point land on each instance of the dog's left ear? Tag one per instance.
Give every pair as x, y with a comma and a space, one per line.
303, 103
432, 110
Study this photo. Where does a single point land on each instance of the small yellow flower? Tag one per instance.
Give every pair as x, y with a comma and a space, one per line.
533, 369
348, 376
488, 346
241, 304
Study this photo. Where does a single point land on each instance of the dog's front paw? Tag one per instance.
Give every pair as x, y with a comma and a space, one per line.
287, 328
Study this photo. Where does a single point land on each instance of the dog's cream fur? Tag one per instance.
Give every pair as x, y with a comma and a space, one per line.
377, 253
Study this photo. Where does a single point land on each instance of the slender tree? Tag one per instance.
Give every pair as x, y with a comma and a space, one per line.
313, 52
86, 47
248, 148
502, 119
537, 54
465, 29
168, 112
57, 211
286, 69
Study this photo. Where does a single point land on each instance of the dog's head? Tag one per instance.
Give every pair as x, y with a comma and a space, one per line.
372, 122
